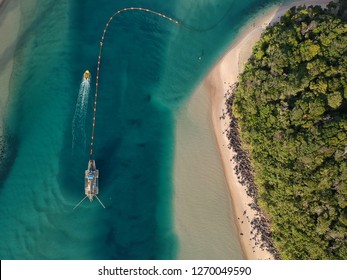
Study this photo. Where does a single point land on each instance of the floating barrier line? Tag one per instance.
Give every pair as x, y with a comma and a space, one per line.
100, 54
102, 42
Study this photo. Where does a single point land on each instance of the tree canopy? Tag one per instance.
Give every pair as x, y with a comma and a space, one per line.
291, 105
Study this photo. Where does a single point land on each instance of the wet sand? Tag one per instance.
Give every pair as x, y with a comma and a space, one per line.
203, 208
223, 75
190, 170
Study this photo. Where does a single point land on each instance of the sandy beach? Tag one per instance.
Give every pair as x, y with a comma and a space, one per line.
216, 84
218, 81
203, 208
9, 27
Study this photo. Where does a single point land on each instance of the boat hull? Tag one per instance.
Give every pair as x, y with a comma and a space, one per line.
86, 75
91, 188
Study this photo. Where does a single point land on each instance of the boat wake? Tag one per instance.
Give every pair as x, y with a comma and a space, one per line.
79, 119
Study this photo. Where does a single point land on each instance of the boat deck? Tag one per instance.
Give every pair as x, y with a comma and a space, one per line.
91, 188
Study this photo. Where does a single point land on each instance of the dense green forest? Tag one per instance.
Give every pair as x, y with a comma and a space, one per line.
291, 106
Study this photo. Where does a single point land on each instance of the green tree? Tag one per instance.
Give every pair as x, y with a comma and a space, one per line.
291, 105
335, 99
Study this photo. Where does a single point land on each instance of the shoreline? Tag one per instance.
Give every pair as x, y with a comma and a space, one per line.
203, 218
223, 75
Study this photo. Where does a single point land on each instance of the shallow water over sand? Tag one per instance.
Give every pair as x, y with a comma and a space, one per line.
149, 70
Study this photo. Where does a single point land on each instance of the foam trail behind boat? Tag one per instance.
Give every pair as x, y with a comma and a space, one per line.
79, 119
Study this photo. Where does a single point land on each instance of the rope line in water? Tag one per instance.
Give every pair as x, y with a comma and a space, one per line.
102, 42
100, 53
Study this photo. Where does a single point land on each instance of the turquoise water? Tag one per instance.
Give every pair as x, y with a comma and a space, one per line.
149, 68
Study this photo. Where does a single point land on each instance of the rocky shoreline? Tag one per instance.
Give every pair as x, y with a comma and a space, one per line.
261, 232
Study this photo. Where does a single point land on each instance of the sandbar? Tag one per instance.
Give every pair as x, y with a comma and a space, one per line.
223, 75
215, 85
